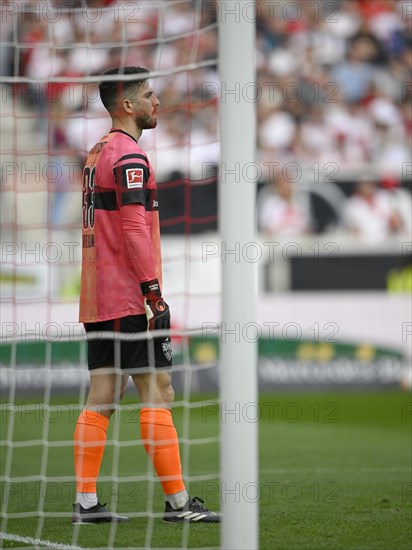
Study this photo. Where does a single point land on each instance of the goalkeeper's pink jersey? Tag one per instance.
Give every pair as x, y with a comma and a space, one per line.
117, 173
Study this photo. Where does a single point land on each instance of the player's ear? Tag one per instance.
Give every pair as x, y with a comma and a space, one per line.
127, 106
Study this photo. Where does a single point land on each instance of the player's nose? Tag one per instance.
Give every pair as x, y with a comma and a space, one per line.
156, 101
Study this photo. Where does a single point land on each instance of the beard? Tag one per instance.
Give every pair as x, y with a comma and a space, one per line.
145, 122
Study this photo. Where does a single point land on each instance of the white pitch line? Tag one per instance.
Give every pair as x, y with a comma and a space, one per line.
37, 542
338, 469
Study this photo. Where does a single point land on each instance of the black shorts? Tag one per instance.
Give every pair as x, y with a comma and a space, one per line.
133, 354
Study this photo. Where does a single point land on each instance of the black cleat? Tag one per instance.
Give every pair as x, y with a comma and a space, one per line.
192, 511
95, 514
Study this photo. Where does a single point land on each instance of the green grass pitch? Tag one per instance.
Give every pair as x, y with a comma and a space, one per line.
335, 473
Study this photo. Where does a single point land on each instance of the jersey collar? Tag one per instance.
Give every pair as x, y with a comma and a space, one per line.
122, 132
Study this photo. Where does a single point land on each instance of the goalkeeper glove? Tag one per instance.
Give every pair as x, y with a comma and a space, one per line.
157, 311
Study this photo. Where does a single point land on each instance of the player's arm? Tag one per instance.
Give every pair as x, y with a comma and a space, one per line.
139, 250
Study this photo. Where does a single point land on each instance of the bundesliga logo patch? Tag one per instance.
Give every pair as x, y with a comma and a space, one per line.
167, 349
134, 178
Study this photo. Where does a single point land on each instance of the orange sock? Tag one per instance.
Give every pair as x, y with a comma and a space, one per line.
89, 444
160, 441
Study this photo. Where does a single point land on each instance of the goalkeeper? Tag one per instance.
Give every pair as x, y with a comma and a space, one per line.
121, 291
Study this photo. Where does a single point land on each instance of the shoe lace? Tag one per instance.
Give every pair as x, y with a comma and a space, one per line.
197, 504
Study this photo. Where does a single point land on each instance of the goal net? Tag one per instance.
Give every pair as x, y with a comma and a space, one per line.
52, 56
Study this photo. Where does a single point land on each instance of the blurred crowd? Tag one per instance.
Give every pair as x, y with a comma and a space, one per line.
333, 96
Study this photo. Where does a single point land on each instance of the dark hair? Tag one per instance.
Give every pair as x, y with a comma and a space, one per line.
111, 90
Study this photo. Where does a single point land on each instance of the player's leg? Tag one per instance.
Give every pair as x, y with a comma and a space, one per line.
159, 434
161, 442
157, 429
107, 386
106, 390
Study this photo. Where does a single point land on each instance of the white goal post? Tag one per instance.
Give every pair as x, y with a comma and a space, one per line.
238, 359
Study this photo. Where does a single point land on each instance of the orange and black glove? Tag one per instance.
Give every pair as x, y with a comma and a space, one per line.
157, 311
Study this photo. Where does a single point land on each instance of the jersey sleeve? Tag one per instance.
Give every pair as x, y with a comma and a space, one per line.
139, 243
131, 175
